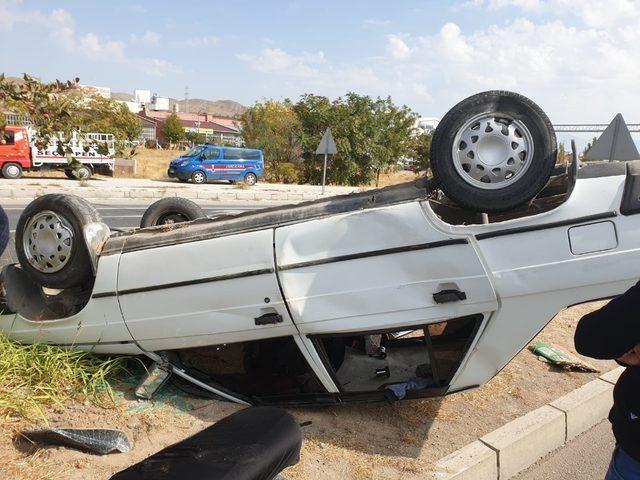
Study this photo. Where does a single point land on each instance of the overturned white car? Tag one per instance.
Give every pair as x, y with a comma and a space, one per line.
384, 294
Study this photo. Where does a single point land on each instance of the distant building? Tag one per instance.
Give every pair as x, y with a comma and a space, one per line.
142, 96
149, 128
159, 103
426, 124
215, 128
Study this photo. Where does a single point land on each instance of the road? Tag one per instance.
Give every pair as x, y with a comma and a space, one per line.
585, 458
127, 215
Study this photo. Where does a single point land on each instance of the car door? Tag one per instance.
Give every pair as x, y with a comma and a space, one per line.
208, 292
378, 268
211, 163
385, 271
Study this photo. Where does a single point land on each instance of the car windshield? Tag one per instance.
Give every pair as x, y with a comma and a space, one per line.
194, 151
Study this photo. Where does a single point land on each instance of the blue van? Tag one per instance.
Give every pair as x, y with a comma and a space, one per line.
211, 162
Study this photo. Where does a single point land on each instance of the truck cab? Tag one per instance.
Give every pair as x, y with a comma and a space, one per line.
15, 152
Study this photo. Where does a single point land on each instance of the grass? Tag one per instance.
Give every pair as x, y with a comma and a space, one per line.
34, 377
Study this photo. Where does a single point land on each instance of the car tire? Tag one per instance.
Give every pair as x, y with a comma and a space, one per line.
11, 170
83, 172
199, 177
171, 210
69, 173
57, 257
493, 151
250, 179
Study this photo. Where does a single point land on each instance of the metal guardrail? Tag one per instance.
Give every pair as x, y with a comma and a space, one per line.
590, 127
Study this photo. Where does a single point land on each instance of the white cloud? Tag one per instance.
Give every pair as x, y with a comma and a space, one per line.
276, 60
151, 39
61, 29
396, 47
203, 41
372, 22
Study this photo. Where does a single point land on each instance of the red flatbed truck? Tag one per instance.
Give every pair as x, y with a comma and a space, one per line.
19, 154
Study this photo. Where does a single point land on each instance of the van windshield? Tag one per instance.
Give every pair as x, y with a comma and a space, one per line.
195, 151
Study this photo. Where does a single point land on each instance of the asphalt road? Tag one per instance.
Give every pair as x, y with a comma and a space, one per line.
585, 458
117, 216
128, 215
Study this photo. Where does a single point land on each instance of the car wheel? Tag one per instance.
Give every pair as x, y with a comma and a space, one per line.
250, 179
11, 170
493, 151
50, 240
69, 173
199, 177
171, 210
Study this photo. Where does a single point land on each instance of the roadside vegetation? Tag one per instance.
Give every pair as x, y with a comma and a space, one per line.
372, 136
34, 377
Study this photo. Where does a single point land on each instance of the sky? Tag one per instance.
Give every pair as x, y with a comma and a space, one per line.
579, 60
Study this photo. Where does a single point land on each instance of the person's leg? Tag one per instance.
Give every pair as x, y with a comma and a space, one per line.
623, 467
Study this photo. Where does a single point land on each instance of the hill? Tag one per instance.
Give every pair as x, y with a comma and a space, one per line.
225, 108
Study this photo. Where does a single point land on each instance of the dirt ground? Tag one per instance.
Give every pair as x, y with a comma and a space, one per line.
349, 442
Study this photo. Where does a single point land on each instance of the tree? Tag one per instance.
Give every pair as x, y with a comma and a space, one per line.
172, 129
422, 152
274, 127
101, 114
196, 138
371, 136
49, 106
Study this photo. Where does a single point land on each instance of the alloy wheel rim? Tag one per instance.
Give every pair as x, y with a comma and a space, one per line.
47, 242
492, 150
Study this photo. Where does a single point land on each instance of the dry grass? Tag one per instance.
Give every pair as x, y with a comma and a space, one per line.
153, 164
34, 377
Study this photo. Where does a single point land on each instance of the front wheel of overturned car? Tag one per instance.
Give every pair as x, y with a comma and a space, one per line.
493, 151
171, 210
50, 240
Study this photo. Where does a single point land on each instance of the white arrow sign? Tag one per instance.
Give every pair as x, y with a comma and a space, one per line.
327, 146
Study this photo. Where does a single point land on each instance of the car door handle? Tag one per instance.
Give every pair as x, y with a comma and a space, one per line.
446, 296
268, 319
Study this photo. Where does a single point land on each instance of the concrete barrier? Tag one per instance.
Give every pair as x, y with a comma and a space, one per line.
585, 406
475, 461
526, 439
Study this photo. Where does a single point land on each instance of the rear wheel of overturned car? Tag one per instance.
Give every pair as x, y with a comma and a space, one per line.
250, 179
198, 177
11, 170
493, 151
171, 210
50, 240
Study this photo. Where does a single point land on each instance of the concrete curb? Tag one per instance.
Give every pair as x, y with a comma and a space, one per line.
146, 189
512, 448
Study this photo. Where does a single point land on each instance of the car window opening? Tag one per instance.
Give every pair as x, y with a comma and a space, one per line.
400, 360
272, 366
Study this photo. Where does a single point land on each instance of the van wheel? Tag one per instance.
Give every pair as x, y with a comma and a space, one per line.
50, 240
250, 179
199, 177
171, 210
493, 151
11, 170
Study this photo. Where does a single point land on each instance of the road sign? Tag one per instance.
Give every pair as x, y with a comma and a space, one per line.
615, 143
327, 146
